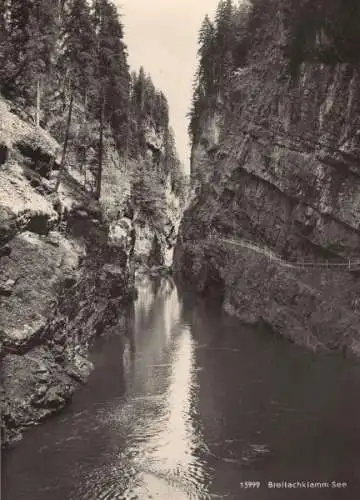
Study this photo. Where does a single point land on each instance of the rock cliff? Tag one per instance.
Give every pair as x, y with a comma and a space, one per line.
66, 275
277, 163
156, 234
90, 188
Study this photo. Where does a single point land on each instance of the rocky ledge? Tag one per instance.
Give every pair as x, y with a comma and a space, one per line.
65, 276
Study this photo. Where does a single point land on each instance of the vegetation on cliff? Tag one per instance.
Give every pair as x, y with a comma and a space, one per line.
86, 151
275, 160
325, 32
64, 65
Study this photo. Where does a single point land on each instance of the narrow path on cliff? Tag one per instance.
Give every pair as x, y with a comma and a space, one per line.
348, 265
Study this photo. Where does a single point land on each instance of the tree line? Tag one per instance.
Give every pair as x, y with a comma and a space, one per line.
325, 31
58, 55
222, 48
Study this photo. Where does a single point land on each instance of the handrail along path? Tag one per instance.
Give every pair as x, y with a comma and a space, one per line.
348, 265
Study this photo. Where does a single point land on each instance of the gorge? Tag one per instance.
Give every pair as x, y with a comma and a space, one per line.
197, 335
275, 162
91, 189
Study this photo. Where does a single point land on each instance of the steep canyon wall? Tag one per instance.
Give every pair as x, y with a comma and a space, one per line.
278, 164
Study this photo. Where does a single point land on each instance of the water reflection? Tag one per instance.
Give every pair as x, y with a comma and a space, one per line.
159, 457
177, 443
186, 405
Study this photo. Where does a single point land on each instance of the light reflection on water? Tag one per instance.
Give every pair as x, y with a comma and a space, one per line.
176, 443
160, 459
191, 404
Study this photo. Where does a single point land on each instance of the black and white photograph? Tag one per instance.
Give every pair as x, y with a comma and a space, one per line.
180, 249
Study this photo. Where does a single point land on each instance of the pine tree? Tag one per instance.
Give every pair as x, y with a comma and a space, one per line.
113, 70
76, 63
30, 48
161, 112
150, 93
78, 57
205, 82
13, 37
217, 47
113, 79
69, 49
139, 92
224, 41
206, 53
149, 107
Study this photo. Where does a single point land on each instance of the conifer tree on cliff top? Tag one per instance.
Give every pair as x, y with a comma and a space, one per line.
218, 56
65, 61
224, 41
205, 76
112, 68
29, 48
78, 58
113, 78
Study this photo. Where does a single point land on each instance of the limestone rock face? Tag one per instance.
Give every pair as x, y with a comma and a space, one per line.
120, 234
286, 176
154, 246
65, 276
155, 143
204, 151
34, 267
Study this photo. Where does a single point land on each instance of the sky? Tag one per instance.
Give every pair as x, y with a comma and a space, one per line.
161, 35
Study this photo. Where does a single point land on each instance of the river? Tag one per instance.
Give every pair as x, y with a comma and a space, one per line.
196, 405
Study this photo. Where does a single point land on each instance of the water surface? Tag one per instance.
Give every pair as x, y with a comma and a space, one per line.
191, 407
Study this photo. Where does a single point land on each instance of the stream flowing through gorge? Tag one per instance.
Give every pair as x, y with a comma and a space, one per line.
194, 405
